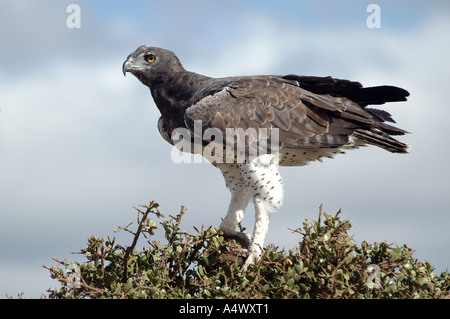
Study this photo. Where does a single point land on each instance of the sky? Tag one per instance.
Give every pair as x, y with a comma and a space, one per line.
79, 145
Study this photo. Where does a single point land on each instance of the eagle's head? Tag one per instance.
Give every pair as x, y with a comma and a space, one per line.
151, 65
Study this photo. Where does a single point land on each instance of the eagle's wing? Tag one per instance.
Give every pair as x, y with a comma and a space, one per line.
305, 119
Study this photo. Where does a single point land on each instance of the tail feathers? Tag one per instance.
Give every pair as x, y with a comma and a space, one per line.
381, 139
389, 129
380, 115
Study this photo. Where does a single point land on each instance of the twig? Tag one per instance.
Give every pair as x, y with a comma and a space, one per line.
320, 214
130, 249
175, 229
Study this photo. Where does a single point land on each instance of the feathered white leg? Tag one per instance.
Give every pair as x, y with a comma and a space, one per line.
240, 197
267, 192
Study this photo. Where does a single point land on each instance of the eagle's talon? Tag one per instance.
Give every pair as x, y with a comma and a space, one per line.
242, 239
252, 258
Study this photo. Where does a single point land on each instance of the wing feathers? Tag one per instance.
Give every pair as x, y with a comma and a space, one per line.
308, 111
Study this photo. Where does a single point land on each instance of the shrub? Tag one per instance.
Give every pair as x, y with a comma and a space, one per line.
326, 264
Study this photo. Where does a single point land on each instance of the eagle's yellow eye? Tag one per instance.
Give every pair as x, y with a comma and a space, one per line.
150, 58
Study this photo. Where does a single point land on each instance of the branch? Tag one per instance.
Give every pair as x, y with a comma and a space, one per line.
177, 226
130, 249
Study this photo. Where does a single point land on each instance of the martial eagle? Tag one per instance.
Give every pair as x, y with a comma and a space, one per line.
313, 117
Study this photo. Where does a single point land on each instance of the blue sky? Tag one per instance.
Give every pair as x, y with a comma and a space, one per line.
79, 144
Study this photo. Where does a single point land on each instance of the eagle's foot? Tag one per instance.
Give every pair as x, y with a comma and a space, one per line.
252, 257
242, 239
234, 248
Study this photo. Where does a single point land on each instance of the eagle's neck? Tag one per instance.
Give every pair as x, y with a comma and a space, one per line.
174, 95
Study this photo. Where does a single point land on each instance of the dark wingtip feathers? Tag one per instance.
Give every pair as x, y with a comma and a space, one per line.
377, 95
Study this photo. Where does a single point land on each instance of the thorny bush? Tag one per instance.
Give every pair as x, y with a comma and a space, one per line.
326, 264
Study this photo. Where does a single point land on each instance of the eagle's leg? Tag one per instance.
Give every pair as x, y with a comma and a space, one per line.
266, 187
240, 197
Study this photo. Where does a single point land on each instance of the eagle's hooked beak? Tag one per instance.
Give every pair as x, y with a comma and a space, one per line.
127, 65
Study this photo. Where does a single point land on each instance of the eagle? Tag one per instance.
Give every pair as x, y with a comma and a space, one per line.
301, 118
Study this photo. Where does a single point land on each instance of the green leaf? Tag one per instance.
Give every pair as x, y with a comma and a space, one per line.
349, 258
200, 270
